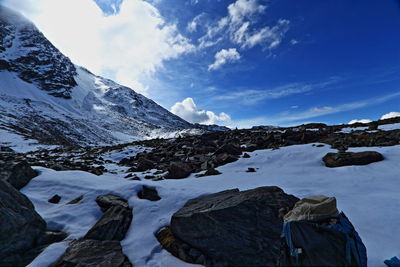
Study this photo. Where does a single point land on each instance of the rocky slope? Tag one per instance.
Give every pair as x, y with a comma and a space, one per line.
44, 96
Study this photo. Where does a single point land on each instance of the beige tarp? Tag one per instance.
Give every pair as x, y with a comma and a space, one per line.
313, 208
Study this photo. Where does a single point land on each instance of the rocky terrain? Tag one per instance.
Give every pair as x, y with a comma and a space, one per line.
165, 159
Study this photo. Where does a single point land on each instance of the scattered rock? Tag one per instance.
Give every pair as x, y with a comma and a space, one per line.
76, 200
235, 228
21, 227
178, 170
55, 199
93, 253
107, 201
51, 236
251, 170
229, 149
333, 160
149, 193
209, 172
246, 156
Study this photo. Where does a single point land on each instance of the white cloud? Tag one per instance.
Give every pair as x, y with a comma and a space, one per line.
239, 26
223, 57
188, 110
192, 25
140, 42
360, 121
390, 115
243, 9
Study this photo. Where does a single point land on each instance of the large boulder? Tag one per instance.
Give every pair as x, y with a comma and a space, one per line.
333, 160
234, 228
21, 227
18, 174
93, 253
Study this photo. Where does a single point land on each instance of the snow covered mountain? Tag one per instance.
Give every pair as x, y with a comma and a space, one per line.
44, 96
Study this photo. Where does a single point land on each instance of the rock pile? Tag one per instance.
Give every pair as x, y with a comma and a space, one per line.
100, 246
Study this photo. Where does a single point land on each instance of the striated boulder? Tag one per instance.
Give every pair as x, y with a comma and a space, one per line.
235, 228
21, 228
115, 222
333, 160
93, 253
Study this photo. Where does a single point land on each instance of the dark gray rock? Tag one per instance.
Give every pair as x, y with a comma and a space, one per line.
54, 199
75, 200
178, 170
51, 236
18, 174
333, 160
85, 253
107, 201
235, 228
115, 221
149, 193
20, 227
230, 149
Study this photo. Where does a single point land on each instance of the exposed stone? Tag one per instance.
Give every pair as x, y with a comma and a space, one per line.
178, 170
333, 160
107, 201
178, 248
235, 228
251, 170
18, 174
149, 193
229, 149
20, 227
54, 199
51, 236
76, 200
85, 253
246, 156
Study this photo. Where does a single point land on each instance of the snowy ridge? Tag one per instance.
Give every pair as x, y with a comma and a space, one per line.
44, 96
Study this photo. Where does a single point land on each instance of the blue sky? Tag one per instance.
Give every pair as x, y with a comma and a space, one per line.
248, 62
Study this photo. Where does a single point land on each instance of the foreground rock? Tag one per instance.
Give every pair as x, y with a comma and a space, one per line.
333, 160
21, 228
93, 253
100, 246
18, 174
114, 223
234, 228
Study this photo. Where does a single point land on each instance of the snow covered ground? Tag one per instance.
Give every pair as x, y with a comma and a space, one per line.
20, 144
369, 195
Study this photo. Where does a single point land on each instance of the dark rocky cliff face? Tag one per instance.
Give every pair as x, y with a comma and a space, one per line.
26, 51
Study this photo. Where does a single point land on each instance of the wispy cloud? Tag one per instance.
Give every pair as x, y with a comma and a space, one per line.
251, 97
314, 112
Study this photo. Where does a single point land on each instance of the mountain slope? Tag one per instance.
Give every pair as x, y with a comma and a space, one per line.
44, 96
